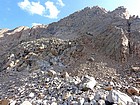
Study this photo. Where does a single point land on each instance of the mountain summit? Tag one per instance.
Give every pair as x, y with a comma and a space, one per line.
121, 12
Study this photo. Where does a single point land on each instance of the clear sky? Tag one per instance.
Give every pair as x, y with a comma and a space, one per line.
14, 13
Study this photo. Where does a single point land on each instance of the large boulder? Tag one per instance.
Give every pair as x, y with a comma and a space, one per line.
118, 97
88, 82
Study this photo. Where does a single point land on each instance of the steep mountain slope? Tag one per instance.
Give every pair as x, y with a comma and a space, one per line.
112, 34
93, 21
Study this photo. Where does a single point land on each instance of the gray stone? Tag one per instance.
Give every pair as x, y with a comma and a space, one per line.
99, 95
136, 99
93, 102
81, 100
86, 103
132, 103
51, 73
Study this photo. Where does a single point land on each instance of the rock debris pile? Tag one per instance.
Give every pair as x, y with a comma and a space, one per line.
58, 88
43, 53
36, 74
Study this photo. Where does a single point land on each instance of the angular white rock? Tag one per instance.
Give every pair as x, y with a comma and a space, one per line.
26, 103
77, 80
101, 102
13, 102
31, 95
90, 82
74, 103
53, 103
132, 103
118, 97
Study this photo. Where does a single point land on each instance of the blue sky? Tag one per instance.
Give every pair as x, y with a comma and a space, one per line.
16, 13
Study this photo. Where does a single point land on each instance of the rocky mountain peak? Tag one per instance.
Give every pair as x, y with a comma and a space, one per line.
121, 12
96, 10
99, 9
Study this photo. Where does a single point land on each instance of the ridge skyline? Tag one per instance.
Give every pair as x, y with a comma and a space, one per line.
122, 8
32, 12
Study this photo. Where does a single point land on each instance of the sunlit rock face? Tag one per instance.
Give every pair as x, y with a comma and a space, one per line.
120, 12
